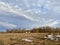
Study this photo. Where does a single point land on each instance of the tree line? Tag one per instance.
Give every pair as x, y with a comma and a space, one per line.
35, 30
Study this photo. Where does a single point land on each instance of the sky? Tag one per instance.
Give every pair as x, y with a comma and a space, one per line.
29, 14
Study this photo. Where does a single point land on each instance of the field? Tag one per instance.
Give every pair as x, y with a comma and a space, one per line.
25, 39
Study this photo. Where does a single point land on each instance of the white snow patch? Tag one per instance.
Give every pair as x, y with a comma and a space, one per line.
58, 36
28, 40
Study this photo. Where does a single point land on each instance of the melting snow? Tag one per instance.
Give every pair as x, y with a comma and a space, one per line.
28, 40
58, 36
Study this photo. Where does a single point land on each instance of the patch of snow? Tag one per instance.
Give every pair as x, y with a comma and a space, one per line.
28, 40
50, 36
45, 37
57, 39
58, 36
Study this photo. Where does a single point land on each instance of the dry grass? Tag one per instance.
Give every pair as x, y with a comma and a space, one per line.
16, 39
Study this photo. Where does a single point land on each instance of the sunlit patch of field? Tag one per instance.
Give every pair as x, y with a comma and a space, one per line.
25, 39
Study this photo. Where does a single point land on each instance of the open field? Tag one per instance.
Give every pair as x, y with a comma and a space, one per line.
25, 39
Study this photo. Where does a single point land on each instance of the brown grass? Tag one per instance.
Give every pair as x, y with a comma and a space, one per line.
16, 39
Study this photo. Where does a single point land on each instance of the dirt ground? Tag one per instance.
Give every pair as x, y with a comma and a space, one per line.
25, 39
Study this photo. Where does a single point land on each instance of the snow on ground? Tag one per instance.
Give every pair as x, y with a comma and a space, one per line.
28, 40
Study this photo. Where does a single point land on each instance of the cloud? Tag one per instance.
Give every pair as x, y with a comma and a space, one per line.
8, 25
57, 9
26, 3
10, 8
51, 23
44, 11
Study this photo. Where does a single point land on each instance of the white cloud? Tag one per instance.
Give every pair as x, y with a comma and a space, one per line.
40, 7
26, 3
8, 25
51, 23
35, 10
57, 9
10, 8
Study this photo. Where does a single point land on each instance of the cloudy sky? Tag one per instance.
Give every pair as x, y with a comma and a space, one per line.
29, 13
